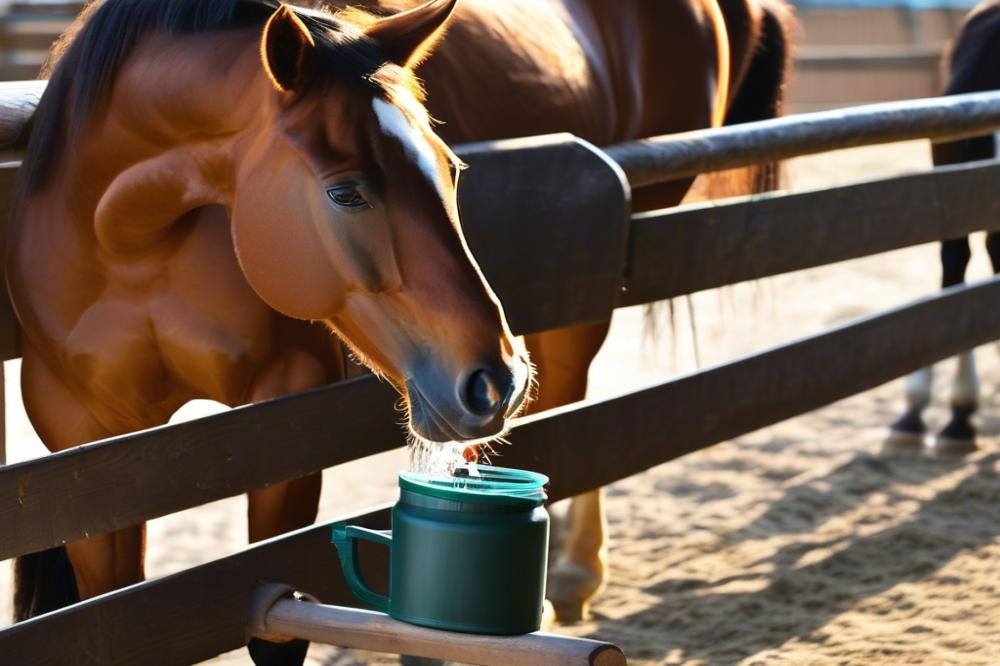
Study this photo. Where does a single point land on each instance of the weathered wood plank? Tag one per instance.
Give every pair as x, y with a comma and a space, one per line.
195, 614
368, 630
673, 156
547, 219
668, 157
120, 482
203, 611
592, 444
688, 249
107, 485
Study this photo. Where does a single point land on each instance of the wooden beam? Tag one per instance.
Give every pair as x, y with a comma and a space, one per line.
107, 485
592, 444
580, 447
195, 614
377, 632
673, 156
870, 56
688, 249
547, 219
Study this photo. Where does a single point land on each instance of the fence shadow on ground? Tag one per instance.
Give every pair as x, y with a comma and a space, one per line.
798, 600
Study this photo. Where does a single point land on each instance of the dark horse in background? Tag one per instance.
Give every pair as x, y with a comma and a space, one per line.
215, 191
973, 65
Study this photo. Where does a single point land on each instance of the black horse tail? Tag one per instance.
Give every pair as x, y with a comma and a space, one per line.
760, 84
43, 582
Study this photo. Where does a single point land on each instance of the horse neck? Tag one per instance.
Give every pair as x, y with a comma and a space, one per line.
181, 113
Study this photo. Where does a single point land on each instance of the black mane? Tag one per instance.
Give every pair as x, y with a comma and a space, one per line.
83, 64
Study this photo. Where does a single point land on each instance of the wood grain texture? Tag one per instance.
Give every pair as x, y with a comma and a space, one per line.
592, 444
203, 611
195, 614
368, 630
684, 250
669, 157
547, 219
107, 485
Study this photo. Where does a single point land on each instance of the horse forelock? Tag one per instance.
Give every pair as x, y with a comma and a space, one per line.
83, 64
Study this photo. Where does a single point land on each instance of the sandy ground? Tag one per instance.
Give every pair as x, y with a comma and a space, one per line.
799, 543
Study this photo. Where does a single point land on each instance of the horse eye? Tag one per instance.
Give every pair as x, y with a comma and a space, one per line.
348, 196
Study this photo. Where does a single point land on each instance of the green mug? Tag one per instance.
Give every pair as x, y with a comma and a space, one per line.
466, 553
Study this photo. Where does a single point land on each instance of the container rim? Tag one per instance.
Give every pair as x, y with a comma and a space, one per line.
494, 485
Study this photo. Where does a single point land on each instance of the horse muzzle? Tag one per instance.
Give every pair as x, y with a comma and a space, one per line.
475, 407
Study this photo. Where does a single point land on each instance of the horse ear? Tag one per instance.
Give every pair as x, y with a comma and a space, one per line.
408, 37
288, 50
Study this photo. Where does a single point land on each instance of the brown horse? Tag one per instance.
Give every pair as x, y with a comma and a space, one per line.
206, 178
973, 65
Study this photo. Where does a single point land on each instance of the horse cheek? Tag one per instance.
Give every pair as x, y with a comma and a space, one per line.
286, 266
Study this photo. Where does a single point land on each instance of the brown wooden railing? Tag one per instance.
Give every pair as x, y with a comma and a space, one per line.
586, 256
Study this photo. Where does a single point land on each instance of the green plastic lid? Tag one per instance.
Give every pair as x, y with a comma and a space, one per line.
493, 485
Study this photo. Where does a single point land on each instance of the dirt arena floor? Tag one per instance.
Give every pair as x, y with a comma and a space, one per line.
797, 544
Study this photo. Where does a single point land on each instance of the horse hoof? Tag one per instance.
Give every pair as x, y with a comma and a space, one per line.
953, 446
570, 587
548, 616
903, 442
570, 611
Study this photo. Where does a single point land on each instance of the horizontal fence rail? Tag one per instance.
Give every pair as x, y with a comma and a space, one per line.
125, 480
673, 156
201, 612
692, 248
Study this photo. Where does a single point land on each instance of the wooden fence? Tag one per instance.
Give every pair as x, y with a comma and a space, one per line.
596, 257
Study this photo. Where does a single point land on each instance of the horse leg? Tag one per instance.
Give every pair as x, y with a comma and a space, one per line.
287, 505
100, 563
993, 249
562, 358
907, 432
959, 435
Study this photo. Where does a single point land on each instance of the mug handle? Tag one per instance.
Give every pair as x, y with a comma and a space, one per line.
345, 539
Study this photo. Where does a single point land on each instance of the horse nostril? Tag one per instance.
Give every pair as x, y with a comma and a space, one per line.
482, 396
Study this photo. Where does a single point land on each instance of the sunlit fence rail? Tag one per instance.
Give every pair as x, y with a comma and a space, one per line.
587, 256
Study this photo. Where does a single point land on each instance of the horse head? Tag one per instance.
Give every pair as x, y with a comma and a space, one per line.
345, 211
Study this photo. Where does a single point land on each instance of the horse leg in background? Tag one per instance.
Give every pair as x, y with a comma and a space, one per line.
971, 68
288, 505
908, 431
562, 359
45, 581
993, 249
959, 436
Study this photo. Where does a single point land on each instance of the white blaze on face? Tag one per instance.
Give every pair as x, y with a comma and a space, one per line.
394, 123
